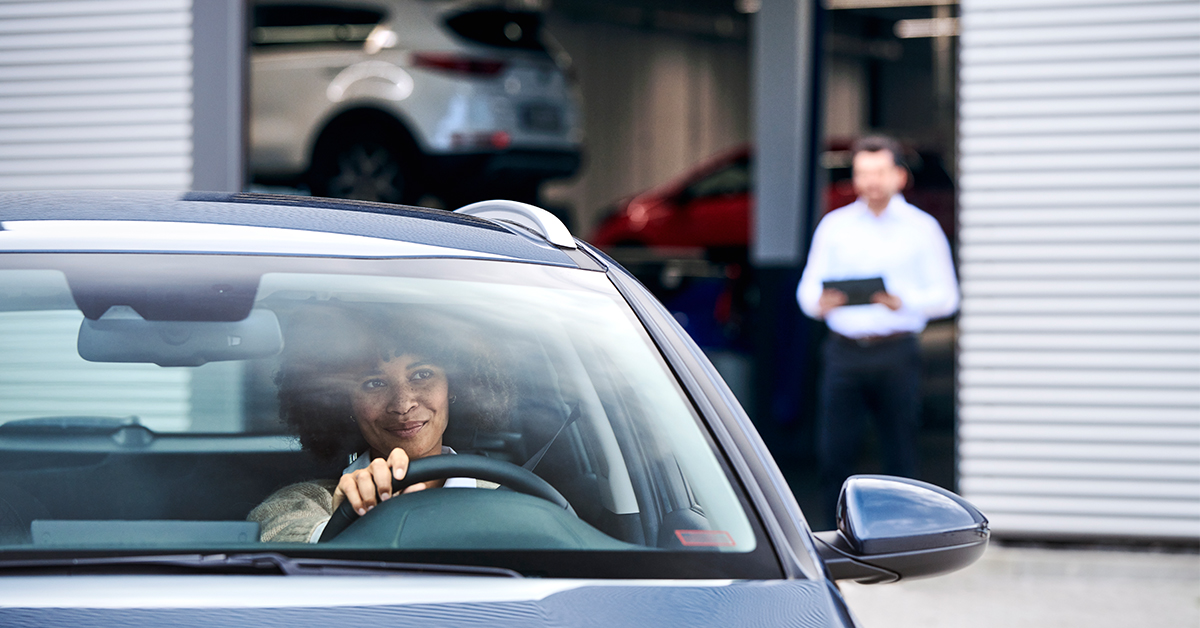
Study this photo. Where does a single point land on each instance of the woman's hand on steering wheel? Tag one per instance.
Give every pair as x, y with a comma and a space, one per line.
431, 471
366, 488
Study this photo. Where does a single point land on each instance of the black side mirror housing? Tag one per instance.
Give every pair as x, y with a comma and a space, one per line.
892, 528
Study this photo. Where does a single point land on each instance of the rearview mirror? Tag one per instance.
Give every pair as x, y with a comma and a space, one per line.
891, 528
121, 335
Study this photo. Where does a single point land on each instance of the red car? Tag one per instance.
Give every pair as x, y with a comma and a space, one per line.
709, 207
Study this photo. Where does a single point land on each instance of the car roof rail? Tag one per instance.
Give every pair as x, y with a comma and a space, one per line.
525, 215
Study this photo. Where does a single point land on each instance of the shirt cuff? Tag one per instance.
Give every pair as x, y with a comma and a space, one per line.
316, 533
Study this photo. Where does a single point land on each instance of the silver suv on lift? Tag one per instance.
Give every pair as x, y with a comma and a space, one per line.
394, 100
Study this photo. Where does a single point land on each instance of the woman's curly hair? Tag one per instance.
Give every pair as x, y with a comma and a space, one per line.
325, 344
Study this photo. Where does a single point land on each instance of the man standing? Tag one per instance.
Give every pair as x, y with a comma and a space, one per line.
871, 357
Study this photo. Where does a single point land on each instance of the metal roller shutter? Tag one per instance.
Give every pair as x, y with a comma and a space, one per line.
1079, 380
42, 375
38, 348
98, 94
95, 94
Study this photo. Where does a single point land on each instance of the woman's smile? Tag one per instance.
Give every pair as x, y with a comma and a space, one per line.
403, 402
407, 430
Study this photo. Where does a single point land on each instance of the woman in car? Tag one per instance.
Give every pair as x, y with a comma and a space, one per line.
379, 386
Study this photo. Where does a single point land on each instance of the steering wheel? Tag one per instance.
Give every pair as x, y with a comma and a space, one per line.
506, 474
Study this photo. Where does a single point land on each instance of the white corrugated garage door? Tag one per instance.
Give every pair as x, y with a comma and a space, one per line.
42, 375
95, 94
1079, 383
98, 94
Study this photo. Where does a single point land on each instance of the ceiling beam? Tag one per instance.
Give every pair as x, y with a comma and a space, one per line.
885, 4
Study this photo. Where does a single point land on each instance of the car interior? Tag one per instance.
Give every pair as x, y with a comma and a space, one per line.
140, 408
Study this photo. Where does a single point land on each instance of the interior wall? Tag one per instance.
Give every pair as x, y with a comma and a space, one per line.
907, 98
845, 97
654, 103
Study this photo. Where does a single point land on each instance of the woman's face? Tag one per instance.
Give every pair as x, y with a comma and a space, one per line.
403, 402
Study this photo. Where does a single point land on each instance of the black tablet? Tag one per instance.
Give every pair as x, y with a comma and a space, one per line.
858, 291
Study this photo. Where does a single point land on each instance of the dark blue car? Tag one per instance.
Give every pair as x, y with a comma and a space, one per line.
237, 409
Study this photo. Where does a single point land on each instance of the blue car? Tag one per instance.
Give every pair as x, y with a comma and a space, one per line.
242, 409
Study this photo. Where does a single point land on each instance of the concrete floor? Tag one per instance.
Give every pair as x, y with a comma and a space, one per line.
1043, 588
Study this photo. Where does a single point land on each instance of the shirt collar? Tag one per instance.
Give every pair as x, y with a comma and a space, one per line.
896, 201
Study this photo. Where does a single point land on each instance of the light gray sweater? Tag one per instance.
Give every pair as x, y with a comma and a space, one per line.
291, 514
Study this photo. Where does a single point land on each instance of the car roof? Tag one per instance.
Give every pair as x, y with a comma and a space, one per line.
338, 227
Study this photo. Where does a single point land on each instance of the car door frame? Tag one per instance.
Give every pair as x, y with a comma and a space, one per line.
730, 426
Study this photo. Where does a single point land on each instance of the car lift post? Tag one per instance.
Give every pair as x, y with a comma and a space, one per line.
786, 68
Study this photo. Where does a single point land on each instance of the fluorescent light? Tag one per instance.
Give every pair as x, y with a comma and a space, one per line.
884, 4
933, 27
747, 6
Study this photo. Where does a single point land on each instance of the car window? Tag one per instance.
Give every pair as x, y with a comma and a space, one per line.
312, 24
732, 179
499, 28
203, 385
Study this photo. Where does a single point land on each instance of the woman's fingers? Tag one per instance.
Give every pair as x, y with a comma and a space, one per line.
365, 488
398, 461
347, 489
339, 495
419, 486
381, 475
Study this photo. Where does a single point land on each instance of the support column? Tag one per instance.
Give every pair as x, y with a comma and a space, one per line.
219, 110
786, 106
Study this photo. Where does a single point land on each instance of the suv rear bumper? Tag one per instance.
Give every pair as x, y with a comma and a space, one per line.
507, 170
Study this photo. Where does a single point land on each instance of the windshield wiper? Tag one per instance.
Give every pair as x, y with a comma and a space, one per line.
264, 561
72, 425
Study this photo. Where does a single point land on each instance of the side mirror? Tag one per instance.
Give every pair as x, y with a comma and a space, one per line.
891, 528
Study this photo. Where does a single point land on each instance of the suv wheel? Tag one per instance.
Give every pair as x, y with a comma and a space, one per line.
363, 169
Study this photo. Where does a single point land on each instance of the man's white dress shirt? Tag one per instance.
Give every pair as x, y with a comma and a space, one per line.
903, 245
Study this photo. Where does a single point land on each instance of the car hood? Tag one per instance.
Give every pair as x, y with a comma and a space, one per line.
411, 600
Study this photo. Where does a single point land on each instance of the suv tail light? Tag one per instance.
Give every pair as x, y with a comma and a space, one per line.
449, 62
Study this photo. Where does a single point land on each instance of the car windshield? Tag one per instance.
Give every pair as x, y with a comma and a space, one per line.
209, 403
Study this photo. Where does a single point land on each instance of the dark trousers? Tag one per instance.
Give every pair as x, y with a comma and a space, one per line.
881, 380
